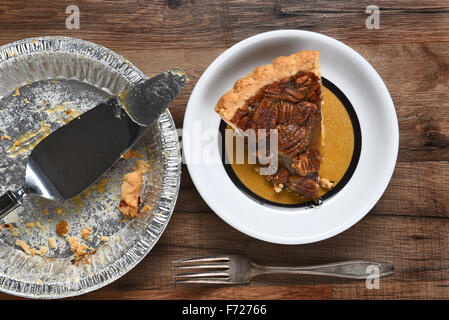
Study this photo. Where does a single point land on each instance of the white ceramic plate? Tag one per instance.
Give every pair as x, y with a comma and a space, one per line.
366, 91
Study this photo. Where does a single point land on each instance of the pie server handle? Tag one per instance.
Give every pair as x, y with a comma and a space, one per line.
11, 200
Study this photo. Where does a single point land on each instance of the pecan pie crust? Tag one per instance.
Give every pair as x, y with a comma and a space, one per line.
248, 86
285, 96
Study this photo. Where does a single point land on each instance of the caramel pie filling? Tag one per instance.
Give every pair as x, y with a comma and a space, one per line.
291, 109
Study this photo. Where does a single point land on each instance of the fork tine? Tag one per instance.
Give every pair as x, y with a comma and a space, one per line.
202, 275
201, 266
204, 259
203, 280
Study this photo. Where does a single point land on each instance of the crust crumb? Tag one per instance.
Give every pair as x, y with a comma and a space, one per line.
51, 242
15, 232
11, 228
43, 250
5, 137
32, 251
326, 184
38, 225
30, 225
78, 249
26, 248
131, 189
130, 154
85, 233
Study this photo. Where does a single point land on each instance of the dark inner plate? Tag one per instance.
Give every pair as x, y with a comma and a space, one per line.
340, 185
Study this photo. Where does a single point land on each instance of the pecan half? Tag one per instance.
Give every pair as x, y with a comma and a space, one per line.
307, 187
286, 111
289, 113
265, 116
292, 140
302, 78
314, 93
307, 163
304, 111
279, 179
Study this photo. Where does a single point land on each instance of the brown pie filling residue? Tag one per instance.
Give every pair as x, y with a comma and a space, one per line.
62, 228
292, 108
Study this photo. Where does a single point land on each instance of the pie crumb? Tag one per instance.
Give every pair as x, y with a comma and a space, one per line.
38, 224
30, 225
43, 250
32, 251
26, 248
85, 233
130, 154
325, 183
5, 137
131, 189
78, 249
51, 242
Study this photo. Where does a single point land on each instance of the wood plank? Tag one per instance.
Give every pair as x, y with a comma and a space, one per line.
416, 189
409, 227
398, 290
415, 246
417, 76
433, 290
174, 24
322, 292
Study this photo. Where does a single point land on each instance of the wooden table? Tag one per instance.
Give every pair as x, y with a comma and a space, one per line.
408, 227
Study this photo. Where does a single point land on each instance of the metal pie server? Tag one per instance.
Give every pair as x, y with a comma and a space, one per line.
75, 156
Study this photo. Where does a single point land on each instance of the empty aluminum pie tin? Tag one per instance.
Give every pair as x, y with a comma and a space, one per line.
58, 77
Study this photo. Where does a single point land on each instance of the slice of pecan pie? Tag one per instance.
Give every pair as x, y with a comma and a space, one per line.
284, 96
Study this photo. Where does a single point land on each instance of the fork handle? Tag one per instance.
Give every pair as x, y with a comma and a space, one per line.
359, 269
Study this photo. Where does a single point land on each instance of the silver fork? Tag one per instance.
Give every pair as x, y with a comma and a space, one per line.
235, 269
